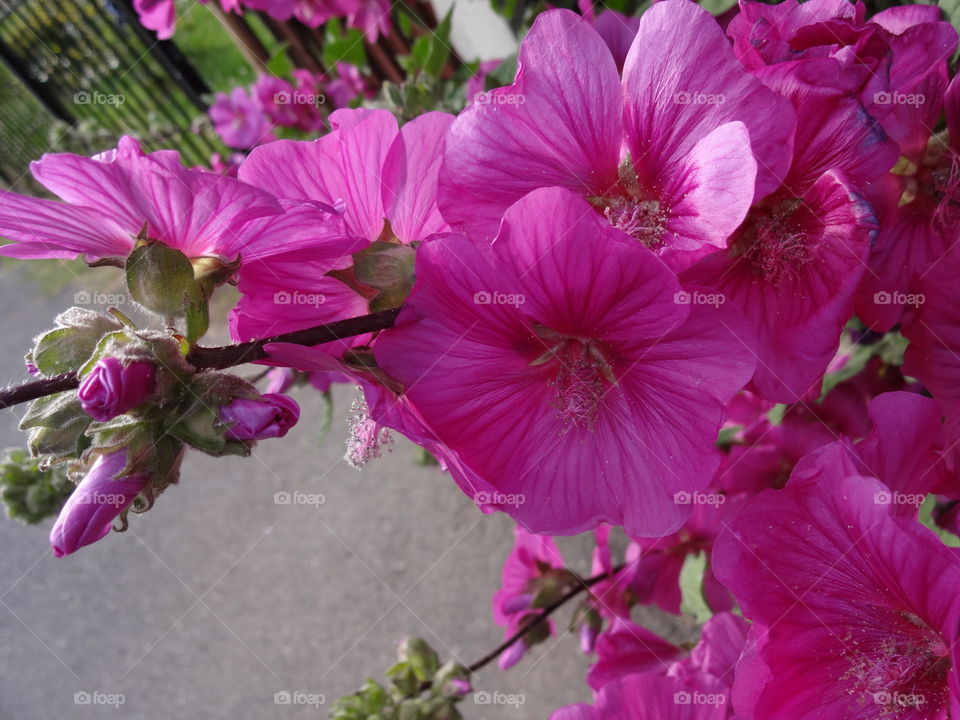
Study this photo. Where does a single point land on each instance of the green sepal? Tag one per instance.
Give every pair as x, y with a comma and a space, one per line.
54, 411
67, 347
58, 442
388, 268
198, 423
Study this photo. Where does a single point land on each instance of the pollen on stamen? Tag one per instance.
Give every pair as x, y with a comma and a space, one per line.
775, 249
644, 220
945, 182
898, 677
367, 438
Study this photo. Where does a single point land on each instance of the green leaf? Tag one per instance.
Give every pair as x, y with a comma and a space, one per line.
279, 63
926, 517
717, 7
343, 46
29, 493
160, 278
692, 600
951, 11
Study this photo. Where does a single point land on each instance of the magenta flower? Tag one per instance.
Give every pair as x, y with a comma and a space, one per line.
854, 609
380, 177
157, 15
526, 571
920, 224
794, 265
616, 29
99, 498
375, 171
372, 17
348, 85
269, 416
112, 388
476, 83
933, 328
629, 649
896, 62
565, 370
110, 197
689, 117
655, 575
274, 96
792, 269
653, 697
239, 119
905, 450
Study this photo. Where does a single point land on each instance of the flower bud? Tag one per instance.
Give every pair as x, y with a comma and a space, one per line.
99, 498
279, 380
112, 388
512, 655
588, 638
269, 416
458, 686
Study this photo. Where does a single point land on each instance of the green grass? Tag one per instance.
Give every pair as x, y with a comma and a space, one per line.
210, 48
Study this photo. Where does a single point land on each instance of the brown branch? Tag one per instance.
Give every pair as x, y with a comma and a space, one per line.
221, 357
583, 584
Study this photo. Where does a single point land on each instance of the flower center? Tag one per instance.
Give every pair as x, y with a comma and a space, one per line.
904, 672
940, 183
581, 376
775, 246
632, 208
643, 220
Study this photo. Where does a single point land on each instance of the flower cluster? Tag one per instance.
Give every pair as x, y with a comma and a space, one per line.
686, 278
370, 16
245, 118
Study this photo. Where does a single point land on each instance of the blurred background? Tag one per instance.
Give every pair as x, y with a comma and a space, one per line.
221, 597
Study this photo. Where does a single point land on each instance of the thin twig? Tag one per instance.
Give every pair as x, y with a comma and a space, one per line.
223, 356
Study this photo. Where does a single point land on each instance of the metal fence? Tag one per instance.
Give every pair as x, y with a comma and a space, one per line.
76, 75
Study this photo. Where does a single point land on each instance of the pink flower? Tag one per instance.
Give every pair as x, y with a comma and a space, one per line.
476, 83
617, 31
372, 17
652, 697
367, 165
526, 573
239, 119
921, 206
902, 51
794, 265
157, 15
905, 450
689, 118
275, 95
269, 416
655, 573
346, 86
110, 197
99, 498
792, 269
854, 609
373, 172
933, 328
112, 388
629, 649
563, 365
